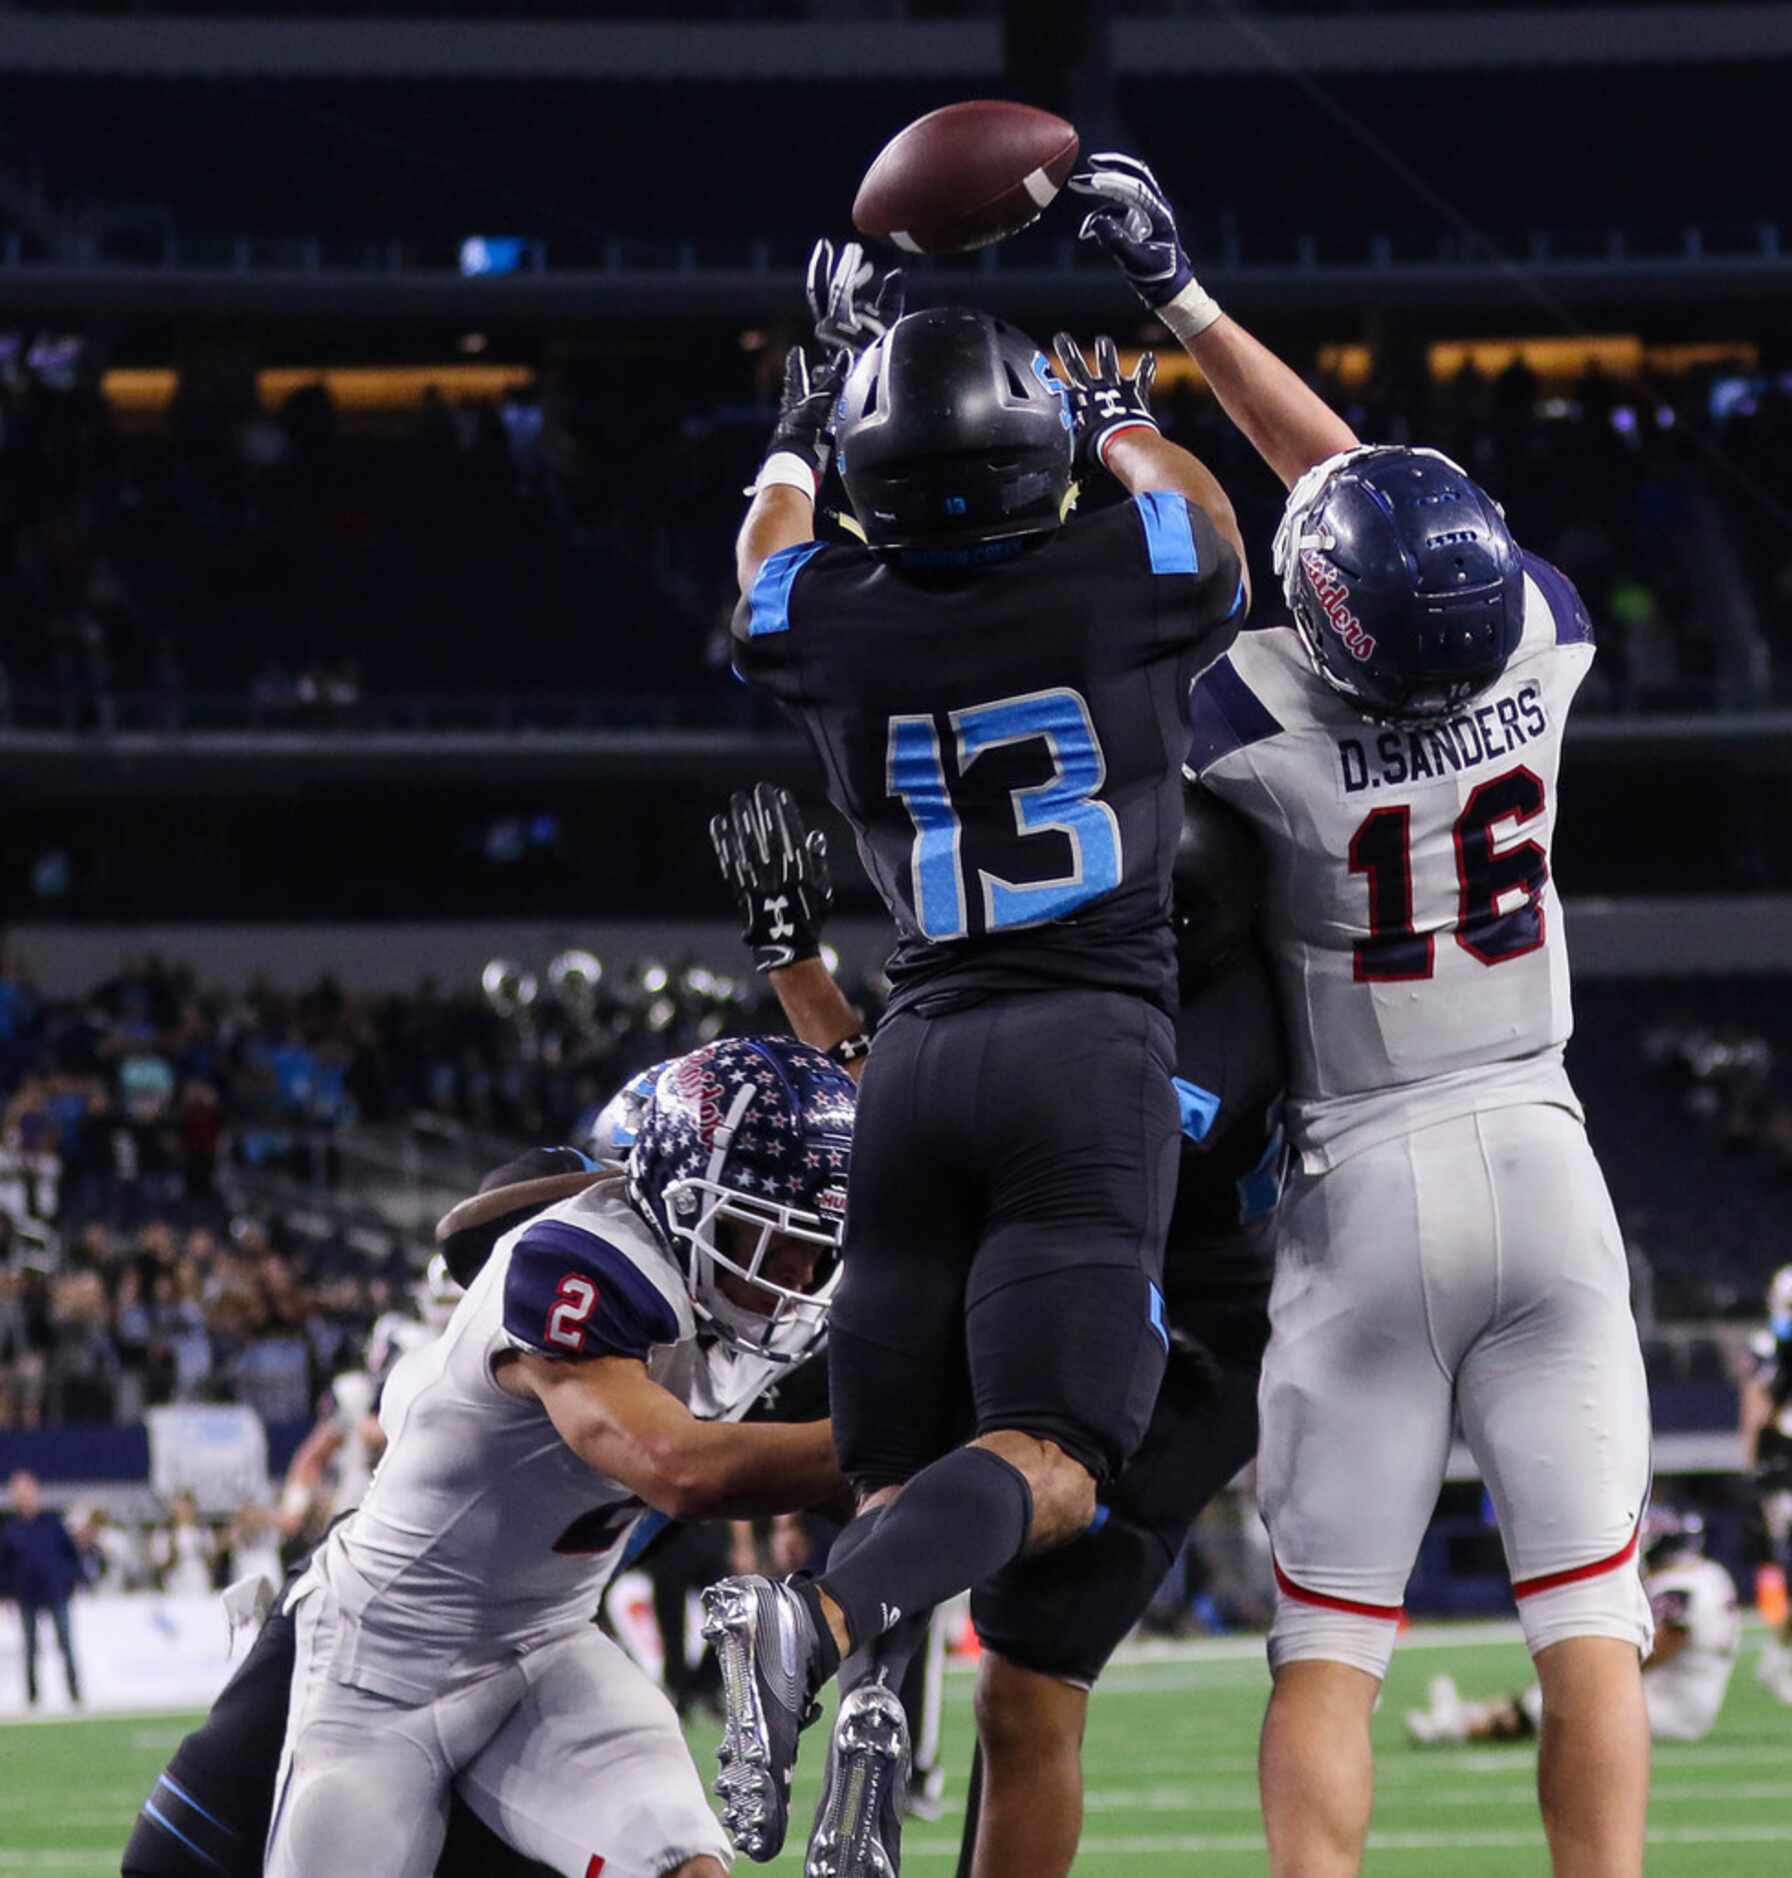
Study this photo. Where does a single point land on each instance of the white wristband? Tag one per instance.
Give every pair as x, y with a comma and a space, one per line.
784, 469
1190, 313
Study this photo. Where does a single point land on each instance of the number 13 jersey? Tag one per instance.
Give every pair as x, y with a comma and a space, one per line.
1004, 735
1410, 904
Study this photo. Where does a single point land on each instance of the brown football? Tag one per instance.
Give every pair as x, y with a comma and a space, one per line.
964, 176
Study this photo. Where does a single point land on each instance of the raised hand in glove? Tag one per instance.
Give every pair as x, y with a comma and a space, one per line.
852, 304
802, 444
1136, 227
778, 870
1104, 400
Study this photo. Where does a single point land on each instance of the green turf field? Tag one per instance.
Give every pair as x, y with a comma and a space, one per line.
1170, 1774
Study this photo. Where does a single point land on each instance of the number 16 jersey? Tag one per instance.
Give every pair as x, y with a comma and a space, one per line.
1410, 905
1004, 735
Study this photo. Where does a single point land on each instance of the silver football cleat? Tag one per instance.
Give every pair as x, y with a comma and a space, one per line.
766, 1647
858, 1825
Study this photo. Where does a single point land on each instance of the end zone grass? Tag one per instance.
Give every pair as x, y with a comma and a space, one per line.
1171, 1778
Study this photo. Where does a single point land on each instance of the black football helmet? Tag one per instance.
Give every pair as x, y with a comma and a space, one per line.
1404, 581
952, 432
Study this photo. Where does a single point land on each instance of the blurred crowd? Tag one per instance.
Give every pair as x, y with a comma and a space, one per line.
536, 533
167, 1152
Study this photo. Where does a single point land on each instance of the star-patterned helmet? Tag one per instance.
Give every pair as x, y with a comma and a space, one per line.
754, 1131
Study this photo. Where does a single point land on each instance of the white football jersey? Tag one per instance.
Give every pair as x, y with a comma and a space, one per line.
351, 1400
1698, 1596
482, 1532
1409, 907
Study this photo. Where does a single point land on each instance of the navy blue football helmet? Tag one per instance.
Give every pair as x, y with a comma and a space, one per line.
756, 1131
1404, 581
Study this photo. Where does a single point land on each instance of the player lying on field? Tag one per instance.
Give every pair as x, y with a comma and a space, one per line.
1685, 1677
1447, 1249
1048, 1624
998, 697
443, 1635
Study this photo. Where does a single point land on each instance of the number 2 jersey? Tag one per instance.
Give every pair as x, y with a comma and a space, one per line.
482, 1532
1005, 738
1410, 905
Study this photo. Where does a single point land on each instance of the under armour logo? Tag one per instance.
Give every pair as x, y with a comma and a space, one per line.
780, 928
1110, 403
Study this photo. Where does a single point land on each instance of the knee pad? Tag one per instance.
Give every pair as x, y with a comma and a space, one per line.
1609, 1604
1310, 1626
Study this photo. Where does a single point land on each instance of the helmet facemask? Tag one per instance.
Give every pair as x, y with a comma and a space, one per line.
695, 1208
741, 1163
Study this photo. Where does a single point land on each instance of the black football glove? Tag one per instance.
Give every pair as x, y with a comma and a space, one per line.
852, 304
778, 870
805, 428
1104, 401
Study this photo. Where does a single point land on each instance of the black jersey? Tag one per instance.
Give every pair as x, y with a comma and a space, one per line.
1230, 1071
1006, 738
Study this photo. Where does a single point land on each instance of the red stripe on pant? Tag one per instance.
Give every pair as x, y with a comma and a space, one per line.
1553, 1581
596, 1868
1384, 1613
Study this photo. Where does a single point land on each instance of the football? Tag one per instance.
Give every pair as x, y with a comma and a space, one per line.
964, 176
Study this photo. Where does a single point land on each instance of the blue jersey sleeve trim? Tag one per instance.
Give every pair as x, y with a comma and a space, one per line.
1169, 532
769, 603
1199, 1108
628, 1316
1574, 626
1225, 716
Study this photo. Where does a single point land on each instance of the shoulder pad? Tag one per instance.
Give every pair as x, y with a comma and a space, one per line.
1569, 622
570, 1293
1236, 699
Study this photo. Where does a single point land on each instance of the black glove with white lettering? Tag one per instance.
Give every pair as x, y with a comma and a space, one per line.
1103, 400
778, 870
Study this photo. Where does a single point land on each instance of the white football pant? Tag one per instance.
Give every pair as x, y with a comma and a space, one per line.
1471, 1271
568, 1752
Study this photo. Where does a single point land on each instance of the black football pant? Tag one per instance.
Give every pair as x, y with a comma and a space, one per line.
1014, 1165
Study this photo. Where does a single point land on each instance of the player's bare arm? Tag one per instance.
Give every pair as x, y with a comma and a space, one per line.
780, 516
1287, 422
1116, 431
819, 1012
622, 1424
777, 869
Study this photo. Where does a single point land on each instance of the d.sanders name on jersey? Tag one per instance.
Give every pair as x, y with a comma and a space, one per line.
1424, 752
